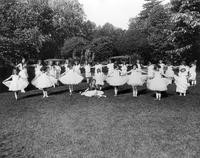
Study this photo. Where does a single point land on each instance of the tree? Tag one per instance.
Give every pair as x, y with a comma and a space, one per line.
37, 29
68, 21
74, 47
102, 48
88, 30
20, 34
186, 31
148, 33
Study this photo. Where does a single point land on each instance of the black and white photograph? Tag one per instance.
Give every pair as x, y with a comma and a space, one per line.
99, 78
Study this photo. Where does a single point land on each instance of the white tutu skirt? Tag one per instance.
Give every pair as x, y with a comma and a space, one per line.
37, 73
42, 81
23, 83
12, 85
157, 84
53, 79
71, 78
136, 80
92, 93
117, 80
181, 84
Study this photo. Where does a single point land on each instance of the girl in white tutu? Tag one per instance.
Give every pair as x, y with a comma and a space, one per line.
87, 68
92, 90
13, 84
157, 83
22, 64
124, 68
162, 66
193, 74
71, 78
97, 66
135, 79
138, 64
181, 82
38, 71
150, 70
184, 66
110, 67
99, 78
51, 72
43, 81
57, 69
23, 80
38, 67
169, 73
116, 79
77, 67
66, 65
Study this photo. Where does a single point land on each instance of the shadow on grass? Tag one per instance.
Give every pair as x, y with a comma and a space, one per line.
129, 90
164, 94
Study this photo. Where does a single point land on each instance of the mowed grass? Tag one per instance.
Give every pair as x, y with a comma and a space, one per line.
64, 126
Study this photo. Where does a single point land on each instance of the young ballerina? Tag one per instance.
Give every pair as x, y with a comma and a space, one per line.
124, 68
23, 81
97, 66
181, 81
13, 84
99, 78
38, 67
110, 67
21, 65
150, 70
116, 79
66, 65
93, 90
77, 67
43, 82
193, 74
57, 69
162, 66
138, 64
71, 78
157, 83
184, 66
52, 73
135, 79
169, 73
87, 68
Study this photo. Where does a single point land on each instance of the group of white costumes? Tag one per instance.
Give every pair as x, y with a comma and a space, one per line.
115, 77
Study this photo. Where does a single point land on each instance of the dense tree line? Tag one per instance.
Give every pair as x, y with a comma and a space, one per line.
48, 28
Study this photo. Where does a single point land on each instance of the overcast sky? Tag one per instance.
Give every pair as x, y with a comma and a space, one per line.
116, 12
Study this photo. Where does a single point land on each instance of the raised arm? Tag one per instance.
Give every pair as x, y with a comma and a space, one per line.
18, 65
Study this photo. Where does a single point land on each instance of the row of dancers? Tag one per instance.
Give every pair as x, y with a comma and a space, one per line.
156, 76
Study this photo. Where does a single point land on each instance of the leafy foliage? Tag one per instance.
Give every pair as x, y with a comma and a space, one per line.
147, 33
52, 28
74, 46
186, 32
102, 48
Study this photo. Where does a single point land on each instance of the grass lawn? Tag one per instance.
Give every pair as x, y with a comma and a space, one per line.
64, 126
